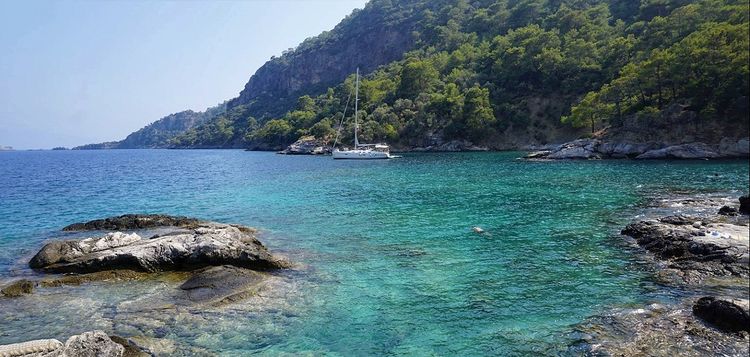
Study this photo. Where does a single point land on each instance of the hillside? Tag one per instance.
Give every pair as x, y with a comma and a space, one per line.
503, 75
158, 133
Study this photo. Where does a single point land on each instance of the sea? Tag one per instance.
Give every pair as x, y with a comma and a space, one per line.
387, 261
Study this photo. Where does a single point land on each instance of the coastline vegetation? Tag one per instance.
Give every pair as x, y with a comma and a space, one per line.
478, 67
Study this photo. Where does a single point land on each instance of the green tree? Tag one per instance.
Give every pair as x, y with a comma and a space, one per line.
589, 112
417, 76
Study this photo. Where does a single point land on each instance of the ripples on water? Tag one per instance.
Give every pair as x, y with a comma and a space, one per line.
391, 265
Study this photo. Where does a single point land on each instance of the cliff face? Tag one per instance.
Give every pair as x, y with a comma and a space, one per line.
376, 35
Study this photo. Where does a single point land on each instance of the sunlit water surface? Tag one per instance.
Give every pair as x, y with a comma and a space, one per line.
389, 264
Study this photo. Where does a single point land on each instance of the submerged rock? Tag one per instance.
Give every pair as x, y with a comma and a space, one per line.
134, 221
18, 288
78, 279
222, 284
130, 348
728, 316
206, 244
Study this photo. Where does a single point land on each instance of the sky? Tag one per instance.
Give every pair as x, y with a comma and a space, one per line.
80, 72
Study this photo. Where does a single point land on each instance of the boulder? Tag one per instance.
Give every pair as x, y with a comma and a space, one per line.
87, 344
684, 151
727, 211
18, 288
728, 316
307, 145
207, 244
67, 250
221, 284
578, 149
134, 221
91, 344
31, 348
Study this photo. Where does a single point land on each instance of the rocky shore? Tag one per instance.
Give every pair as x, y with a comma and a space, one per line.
706, 257
592, 149
218, 264
307, 145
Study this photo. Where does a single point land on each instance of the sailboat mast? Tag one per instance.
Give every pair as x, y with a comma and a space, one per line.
356, 101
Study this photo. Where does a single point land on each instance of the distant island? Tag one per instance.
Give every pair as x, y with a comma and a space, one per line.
6, 148
495, 75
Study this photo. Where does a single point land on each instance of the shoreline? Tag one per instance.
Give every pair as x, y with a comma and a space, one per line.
705, 273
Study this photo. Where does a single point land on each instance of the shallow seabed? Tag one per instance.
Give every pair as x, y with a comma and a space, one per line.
389, 264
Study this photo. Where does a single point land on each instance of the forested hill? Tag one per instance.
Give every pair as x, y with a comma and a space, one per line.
158, 133
503, 74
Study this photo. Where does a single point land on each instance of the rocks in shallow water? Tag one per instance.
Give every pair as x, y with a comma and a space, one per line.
190, 244
130, 348
713, 249
87, 344
91, 344
205, 244
18, 288
66, 251
78, 279
727, 211
728, 316
30, 348
222, 284
134, 221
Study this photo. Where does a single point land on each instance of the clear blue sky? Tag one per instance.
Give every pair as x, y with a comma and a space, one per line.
78, 72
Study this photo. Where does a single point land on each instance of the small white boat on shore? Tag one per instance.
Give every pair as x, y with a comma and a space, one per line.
361, 151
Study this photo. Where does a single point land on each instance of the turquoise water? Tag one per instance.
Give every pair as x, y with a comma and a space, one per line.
389, 263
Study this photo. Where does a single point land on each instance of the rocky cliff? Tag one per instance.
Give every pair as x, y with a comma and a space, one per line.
376, 35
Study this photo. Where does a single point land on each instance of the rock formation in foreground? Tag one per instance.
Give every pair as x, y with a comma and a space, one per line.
93, 343
222, 264
704, 256
202, 244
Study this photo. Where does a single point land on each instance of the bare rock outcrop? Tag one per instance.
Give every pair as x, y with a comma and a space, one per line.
87, 344
208, 244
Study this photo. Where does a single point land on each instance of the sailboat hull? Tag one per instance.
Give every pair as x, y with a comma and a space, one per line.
360, 155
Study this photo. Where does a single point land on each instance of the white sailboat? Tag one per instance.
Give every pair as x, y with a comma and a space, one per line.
361, 151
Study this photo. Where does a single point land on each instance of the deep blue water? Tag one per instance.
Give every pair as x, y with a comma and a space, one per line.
391, 265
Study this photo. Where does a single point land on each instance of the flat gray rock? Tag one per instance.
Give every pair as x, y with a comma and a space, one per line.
207, 244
